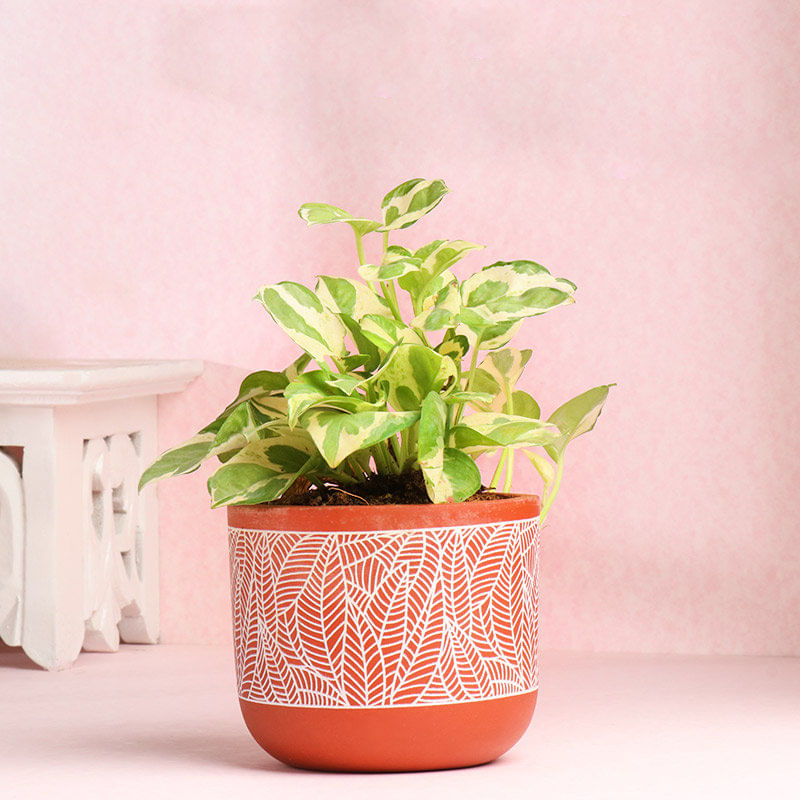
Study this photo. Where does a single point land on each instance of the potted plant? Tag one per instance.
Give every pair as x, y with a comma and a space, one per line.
384, 601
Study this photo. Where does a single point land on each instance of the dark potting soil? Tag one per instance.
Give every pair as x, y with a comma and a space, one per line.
377, 490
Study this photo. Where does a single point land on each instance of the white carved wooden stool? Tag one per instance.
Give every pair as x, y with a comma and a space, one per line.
78, 545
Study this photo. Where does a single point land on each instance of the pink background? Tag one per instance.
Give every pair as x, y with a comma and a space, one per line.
154, 155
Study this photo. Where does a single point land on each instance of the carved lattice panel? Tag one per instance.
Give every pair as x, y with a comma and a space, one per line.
113, 577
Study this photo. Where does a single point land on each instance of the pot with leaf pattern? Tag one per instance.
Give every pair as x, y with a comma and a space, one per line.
386, 638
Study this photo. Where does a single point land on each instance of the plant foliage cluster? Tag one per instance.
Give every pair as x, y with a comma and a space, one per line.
408, 368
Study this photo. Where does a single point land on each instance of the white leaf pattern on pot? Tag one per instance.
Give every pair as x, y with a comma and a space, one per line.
386, 618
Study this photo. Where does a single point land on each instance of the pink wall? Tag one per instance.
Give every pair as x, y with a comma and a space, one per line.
154, 154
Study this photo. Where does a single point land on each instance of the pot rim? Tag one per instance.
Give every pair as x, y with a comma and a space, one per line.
394, 516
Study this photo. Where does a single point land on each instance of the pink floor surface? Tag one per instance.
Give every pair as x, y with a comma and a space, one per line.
163, 722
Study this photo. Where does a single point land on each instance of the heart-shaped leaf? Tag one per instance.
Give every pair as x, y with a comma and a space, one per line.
512, 290
303, 317
410, 201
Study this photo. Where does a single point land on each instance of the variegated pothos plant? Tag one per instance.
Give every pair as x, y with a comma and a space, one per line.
392, 381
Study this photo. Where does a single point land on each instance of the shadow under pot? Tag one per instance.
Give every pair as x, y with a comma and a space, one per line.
386, 638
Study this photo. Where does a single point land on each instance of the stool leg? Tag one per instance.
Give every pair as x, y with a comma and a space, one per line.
12, 543
52, 628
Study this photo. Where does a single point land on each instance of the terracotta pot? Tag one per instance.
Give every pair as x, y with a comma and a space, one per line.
386, 638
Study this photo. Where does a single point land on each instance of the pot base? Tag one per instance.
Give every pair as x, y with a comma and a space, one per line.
401, 739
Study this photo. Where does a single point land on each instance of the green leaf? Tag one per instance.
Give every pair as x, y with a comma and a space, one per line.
314, 389
576, 417
224, 437
297, 366
461, 477
512, 290
355, 361
503, 430
338, 434
184, 458
496, 336
259, 384
388, 271
237, 429
493, 335
263, 382
473, 398
545, 468
497, 374
300, 313
385, 332
441, 254
409, 201
411, 372
441, 311
456, 347
430, 446
353, 298
367, 349
423, 287
522, 405
482, 381
269, 406
263, 470
506, 366
323, 214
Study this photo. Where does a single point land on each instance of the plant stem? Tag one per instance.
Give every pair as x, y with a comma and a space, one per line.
509, 472
359, 248
411, 446
470, 376
380, 460
510, 460
498, 470
384, 459
390, 294
551, 495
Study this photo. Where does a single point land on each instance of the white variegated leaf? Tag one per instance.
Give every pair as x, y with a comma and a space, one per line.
353, 298
186, 457
409, 201
386, 332
338, 434
456, 347
441, 254
461, 477
544, 467
512, 290
318, 388
264, 469
442, 310
323, 214
575, 417
503, 430
506, 365
301, 314
388, 271
411, 372
430, 445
